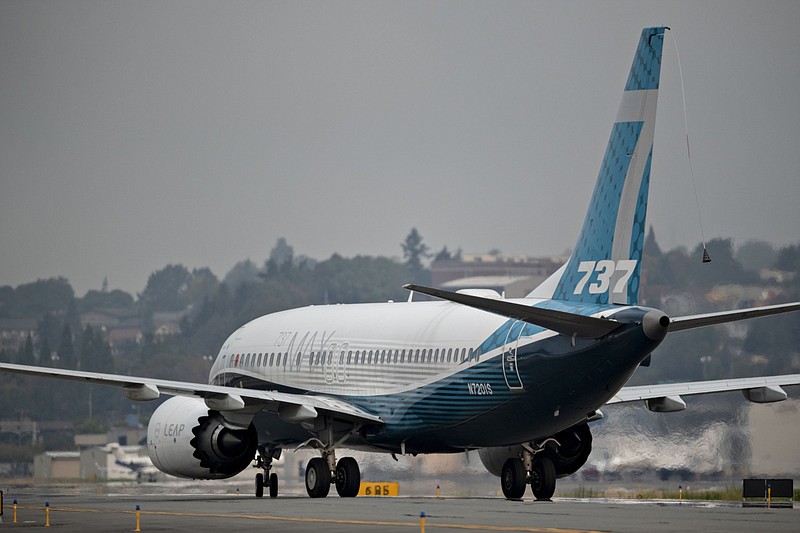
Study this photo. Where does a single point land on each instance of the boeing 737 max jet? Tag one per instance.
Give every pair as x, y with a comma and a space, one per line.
518, 379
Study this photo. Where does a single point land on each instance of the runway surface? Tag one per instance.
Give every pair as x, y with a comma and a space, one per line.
105, 510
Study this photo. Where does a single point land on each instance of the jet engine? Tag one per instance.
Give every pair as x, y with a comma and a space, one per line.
571, 452
186, 439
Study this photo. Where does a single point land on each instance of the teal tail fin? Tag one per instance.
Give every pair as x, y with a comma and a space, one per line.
606, 262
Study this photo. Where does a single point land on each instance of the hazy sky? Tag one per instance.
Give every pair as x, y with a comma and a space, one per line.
137, 134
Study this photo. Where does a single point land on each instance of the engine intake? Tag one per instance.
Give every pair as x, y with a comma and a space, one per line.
186, 439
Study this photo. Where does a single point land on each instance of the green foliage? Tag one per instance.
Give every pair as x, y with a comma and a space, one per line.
90, 426
95, 352
66, 349
756, 255
242, 272
33, 300
25, 356
166, 289
788, 259
360, 279
115, 299
414, 252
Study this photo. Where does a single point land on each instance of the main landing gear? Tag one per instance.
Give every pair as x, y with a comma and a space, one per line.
323, 471
265, 479
537, 470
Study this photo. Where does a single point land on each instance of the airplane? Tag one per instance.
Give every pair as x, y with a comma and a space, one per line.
520, 380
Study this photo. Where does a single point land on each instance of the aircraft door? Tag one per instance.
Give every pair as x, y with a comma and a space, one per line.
509, 357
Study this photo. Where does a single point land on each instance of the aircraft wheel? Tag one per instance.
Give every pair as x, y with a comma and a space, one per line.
543, 478
512, 479
348, 477
273, 485
318, 478
259, 485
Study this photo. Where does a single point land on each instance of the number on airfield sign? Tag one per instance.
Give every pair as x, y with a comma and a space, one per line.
379, 488
605, 270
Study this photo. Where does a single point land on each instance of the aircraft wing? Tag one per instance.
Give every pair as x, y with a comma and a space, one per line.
292, 407
761, 390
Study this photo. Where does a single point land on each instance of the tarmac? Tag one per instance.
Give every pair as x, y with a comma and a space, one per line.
113, 509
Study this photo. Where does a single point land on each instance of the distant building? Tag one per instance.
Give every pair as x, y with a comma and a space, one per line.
121, 328
14, 332
56, 465
514, 275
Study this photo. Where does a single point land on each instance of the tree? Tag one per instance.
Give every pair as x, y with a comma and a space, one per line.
26, 355
443, 255
166, 289
756, 255
95, 352
45, 354
788, 259
202, 285
414, 251
115, 299
281, 253
49, 328
66, 349
242, 272
33, 300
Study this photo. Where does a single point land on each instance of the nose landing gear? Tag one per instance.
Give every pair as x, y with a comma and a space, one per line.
266, 479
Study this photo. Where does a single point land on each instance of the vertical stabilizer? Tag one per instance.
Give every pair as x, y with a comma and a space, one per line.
604, 266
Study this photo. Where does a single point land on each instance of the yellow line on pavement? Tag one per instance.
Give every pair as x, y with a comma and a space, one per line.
431, 524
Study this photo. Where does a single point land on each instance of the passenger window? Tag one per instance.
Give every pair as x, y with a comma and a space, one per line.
349, 356
383, 356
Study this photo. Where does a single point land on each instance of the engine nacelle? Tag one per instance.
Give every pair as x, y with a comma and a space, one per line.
186, 439
575, 445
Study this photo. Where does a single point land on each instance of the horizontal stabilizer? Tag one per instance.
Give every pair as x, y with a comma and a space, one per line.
709, 319
559, 321
763, 389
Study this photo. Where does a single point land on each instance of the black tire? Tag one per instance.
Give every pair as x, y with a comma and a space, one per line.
259, 485
273, 485
318, 478
543, 478
512, 479
348, 477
